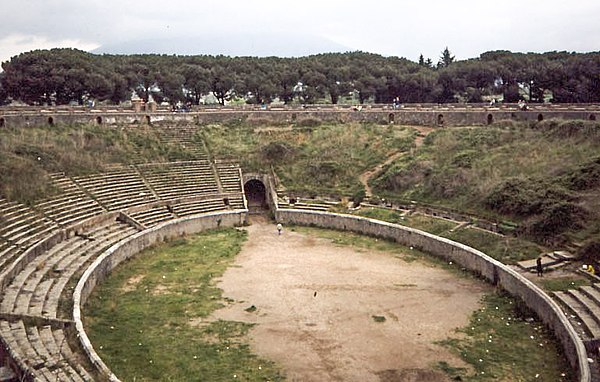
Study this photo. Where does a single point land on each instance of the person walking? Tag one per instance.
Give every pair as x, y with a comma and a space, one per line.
279, 228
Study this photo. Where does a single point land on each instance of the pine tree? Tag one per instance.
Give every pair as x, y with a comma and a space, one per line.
446, 59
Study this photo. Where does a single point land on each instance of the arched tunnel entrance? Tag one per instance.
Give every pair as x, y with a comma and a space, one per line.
256, 195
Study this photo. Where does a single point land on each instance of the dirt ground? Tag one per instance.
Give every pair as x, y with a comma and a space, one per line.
337, 313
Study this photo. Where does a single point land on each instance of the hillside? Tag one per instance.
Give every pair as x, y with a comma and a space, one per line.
544, 179
541, 180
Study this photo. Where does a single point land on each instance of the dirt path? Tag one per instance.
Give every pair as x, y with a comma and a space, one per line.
367, 175
316, 305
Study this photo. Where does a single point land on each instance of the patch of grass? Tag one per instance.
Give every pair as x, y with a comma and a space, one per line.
153, 328
562, 284
422, 222
536, 176
503, 343
508, 250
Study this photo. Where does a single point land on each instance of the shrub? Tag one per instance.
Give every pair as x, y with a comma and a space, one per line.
586, 176
590, 252
277, 151
555, 220
308, 122
518, 196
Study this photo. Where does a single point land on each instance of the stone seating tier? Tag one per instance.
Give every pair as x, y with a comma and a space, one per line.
36, 290
43, 351
199, 206
584, 304
153, 216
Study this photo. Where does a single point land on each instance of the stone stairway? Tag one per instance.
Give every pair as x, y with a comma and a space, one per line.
583, 309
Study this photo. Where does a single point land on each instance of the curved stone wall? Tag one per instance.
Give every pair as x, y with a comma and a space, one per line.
493, 271
112, 257
450, 116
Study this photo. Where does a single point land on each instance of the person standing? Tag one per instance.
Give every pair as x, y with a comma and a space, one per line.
279, 228
539, 267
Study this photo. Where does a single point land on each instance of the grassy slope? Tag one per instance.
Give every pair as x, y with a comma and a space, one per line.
28, 155
145, 319
473, 169
508, 250
324, 159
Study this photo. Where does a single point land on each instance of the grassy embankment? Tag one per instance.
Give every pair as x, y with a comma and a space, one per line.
321, 159
544, 177
28, 155
148, 320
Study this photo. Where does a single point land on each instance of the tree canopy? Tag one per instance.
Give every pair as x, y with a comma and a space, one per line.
61, 76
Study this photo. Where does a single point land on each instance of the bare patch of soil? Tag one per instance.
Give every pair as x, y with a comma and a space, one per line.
132, 283
316, 303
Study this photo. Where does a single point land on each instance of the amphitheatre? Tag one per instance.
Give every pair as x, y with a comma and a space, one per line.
55, 251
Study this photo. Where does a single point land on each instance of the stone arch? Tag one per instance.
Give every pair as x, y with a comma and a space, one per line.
440, 119
50, 121
99, 120
540, 117
490, 119
256, 194
391, 118
2, 122
592, 117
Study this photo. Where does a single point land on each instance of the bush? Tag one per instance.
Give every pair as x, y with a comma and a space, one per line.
523, 197
277, 151
555, 220
585, 177
358, 197
308, 122
590, 252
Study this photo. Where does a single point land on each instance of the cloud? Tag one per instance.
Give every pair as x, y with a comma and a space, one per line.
401, 27
18, 43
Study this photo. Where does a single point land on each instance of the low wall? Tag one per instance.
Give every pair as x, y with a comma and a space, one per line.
493, 271
112, 257
428, 117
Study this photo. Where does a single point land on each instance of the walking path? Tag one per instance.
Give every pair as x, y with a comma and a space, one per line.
369, 174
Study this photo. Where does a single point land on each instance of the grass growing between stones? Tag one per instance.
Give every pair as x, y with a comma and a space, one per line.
507, 249
561, 284
148, 320
503, 343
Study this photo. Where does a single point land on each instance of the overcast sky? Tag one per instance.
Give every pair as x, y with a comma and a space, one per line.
278, 27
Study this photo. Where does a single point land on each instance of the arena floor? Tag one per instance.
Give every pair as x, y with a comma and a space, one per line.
318, 305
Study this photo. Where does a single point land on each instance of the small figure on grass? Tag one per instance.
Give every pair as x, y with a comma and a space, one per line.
539, 267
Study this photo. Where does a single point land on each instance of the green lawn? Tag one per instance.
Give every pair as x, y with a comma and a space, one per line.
147, 321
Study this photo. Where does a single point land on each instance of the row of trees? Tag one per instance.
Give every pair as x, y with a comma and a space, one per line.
65, 75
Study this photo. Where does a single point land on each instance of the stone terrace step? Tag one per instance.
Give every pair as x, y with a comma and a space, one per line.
19, 293
591, 326
180, 179
117, 189
38, 351
153, 216
71, 205
199, 207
